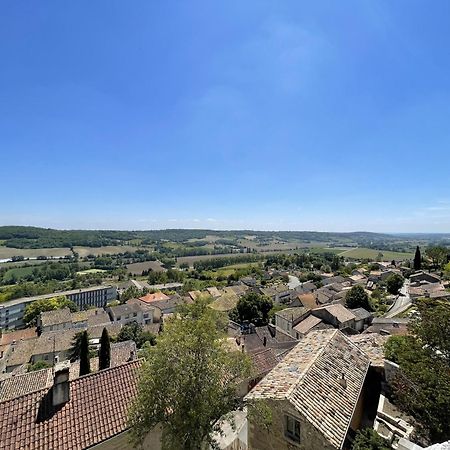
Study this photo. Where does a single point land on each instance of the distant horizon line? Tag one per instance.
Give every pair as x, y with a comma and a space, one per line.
395, 233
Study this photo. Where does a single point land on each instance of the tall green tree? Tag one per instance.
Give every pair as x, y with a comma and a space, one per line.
75, 349
188, 381
85, 366
105, 351
369, 439
417, 259
135, 332
357, 297
252, 308
394, 283
422, 386
438, 255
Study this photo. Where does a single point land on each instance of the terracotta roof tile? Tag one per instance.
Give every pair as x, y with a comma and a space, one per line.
264, 361
307, 324
96, 411
157, 296
18, 385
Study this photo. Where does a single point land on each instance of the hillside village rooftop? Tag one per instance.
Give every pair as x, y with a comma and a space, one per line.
311, 377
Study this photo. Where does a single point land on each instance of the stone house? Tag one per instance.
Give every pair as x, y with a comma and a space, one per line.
131, 312
363, 318
337, 315
423, 277
59, 319
314, 394
287, 318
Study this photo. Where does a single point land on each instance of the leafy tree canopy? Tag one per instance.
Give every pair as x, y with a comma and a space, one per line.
252, 308
438, 255
134, 332
357, 298
189, 381
38, 366
422, 386
394, 283
369, 439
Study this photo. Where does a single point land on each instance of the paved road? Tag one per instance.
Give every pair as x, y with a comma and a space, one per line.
402, 303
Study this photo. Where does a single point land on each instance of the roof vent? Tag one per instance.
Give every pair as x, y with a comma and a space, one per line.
343, 381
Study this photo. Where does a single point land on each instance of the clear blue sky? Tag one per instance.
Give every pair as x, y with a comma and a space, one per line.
320, 115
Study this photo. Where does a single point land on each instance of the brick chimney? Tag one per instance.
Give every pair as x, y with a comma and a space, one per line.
61, 388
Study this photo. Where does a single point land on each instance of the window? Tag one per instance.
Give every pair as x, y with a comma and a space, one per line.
292, 428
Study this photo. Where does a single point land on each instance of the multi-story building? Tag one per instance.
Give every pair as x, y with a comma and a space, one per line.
12, 311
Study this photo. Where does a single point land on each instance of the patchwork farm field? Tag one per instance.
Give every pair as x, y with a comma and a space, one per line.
138, 268
192, 259
369, 253
108, 249
7, 252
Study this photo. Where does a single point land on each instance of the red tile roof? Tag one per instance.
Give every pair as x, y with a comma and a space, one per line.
264, 361
154, 297
10, 336
96, 411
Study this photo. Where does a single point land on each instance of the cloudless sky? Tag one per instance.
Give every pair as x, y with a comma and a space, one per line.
293, 115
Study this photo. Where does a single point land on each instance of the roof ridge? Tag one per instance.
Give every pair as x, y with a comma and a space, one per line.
354, 344
99, 372
313, 360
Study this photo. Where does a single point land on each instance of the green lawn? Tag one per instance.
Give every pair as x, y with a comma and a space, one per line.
18, 273
369, 253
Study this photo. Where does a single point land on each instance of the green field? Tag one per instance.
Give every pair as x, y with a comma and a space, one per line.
107, 249
18, 273
88, 271
369, 253
7, 252
228, 270
138, 268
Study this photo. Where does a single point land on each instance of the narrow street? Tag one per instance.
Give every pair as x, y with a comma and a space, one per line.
402, 303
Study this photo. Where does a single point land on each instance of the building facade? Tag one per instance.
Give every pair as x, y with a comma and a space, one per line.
12, 311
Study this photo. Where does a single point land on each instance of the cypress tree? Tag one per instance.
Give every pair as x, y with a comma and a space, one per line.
105, 351
85, 366
417, 259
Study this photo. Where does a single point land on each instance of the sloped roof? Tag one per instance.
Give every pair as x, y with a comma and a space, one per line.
213, 291
340, 312
57, 341
372, 344
310, 378
361, 313
307, 324
81, 316
307, 300
8, 337
22, 352
96, 411
102, 318
292, 313
225, 302
18, 385
264, 361
55, 317
157, 296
